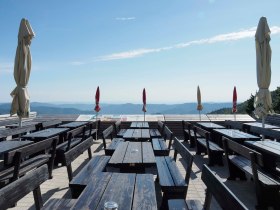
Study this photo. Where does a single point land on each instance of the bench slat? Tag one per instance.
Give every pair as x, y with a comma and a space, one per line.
72, 154
96, 165
143, 193
178, 179
165, 177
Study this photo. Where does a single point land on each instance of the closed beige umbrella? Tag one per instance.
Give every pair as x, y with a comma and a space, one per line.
263, 102
22, 69
199, 105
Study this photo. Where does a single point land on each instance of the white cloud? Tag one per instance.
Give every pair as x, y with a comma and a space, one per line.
125, 18
247, 33
233, 36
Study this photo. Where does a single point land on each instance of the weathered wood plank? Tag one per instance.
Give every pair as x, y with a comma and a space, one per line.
147, 153
13, 192
119, 153
120, 189
144, 193
133, 153
91, 195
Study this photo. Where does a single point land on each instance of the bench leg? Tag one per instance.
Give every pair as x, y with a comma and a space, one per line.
89, 153
192, 142
104, 143
215, 158
38, 198
235, 172
200, 149
50, 168
69, 171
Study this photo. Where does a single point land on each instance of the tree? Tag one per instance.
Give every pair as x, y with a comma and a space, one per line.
250, 105
276, 100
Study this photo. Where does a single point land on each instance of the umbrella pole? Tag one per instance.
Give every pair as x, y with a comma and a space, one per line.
96, 113
199, 116
20, 122
144, 116
20, 125
234, 116
263, 127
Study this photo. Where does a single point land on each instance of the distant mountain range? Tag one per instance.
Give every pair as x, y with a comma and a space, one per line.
118, 109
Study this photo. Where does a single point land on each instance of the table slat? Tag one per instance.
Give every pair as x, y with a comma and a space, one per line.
119, 153
133, 153
148, 154
120, 190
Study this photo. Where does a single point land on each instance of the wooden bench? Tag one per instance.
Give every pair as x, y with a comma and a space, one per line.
16, 132
205, 145
108, 132
74, 137
70, 155
215, 187
159, 147
244, 162
118, 130
27, 158
8, 121
234, 125
173, 184
188, 133
157, 133
273, 119
268, 133
96, 165
167, 135
112, 147
15, 191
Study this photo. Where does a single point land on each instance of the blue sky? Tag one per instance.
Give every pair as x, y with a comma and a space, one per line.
168, 47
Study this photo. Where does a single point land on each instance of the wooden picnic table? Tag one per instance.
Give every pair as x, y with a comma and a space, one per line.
258, 124
270, 151
233, 134
143, 125
47, 133
132, 157
137, 135
73, 125
128, 190
24, 124
209, 126
6, 146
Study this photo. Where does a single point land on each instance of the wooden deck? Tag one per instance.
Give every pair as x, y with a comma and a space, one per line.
58, 187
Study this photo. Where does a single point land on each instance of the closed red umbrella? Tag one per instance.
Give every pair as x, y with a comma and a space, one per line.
97, 97
97, 107
234, 100
144, 102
